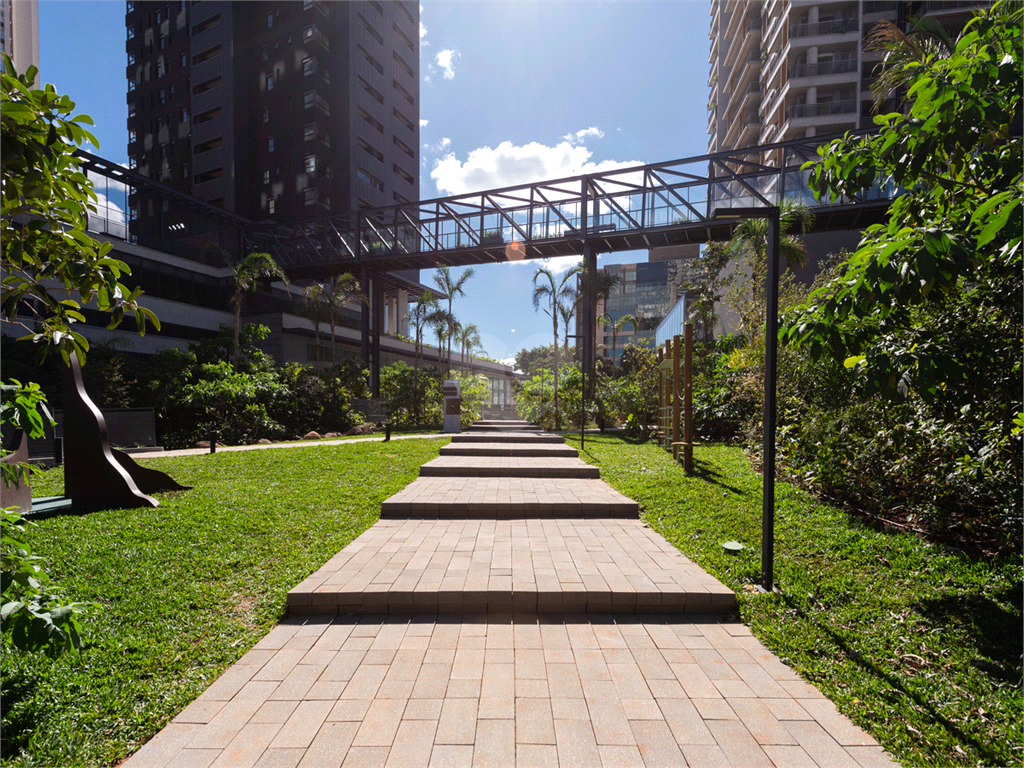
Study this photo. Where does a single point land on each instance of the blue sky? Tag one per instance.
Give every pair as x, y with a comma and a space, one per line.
511, 92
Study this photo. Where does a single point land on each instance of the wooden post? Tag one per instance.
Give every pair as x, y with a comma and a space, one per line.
675, 396
661, 393
688, 399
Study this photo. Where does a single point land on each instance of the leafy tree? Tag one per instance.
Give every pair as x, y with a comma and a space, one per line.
931, 301
50, 265
552, 291
927, 313
531, 361
450, 287
312, 299
703, 293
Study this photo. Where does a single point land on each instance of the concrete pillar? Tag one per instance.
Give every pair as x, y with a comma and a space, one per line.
403, 312
812, 55
812, 15
392, 315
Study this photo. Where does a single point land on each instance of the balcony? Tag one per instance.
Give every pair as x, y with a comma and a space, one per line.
836, 27
822, 109
823, 68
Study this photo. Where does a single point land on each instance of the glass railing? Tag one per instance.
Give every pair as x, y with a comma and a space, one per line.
819, 110
835, 27
823, 68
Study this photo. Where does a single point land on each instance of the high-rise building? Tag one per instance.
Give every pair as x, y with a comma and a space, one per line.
276, 111
646, 291
19, 33
789, 69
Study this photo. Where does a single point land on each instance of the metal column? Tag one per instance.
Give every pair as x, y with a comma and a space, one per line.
771, 345
378, 320
364, 316
588, 317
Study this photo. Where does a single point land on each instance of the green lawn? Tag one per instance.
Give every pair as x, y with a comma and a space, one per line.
185, 589
916, 642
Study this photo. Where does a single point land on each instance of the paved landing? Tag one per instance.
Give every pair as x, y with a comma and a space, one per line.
503, 691
508, 497
593, 566
508, 466
507, 449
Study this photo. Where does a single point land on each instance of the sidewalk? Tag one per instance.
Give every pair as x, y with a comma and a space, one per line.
298, 444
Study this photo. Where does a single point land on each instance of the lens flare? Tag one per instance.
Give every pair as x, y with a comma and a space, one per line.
515, 251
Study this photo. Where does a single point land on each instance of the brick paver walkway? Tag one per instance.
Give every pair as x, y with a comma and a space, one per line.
524, 642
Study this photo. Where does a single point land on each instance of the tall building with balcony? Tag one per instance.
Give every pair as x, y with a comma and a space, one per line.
789, 69
19, 33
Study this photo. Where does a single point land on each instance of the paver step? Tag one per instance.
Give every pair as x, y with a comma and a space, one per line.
507, 498
428, 566
508, 449
508, 466
506, 423
507, 437
495, 427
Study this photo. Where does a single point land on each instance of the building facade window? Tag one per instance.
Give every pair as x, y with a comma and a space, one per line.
184, 114
160, 68
270, 82
163, 96
368, 178
184, 171
131, 109
131, 32
270, 205
184, 60
131, 84
132, 136
309, 196
270, 20
270, 144
309, 162
266, 175
131, 58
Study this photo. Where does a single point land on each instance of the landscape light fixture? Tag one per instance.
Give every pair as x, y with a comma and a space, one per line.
771, 346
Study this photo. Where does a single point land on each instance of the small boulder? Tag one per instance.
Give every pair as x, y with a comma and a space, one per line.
311, 436
332, 434
264, 441
360, 429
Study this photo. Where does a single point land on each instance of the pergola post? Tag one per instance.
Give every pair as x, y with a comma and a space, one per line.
675, 396
588, 318
377, 302
687, 398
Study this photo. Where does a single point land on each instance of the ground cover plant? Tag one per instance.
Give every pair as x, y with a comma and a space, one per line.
917, 642
184, 590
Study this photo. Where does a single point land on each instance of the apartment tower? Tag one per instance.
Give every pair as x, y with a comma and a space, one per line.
19, 33
276, 111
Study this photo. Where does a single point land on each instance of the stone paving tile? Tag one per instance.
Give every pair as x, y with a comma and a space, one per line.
575, 698
508, 497
597, 566
508, 466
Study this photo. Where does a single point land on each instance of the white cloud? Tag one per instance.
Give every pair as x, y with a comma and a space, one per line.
423, 33
508, 165
423, 123
426, 78
446, 60
580, 136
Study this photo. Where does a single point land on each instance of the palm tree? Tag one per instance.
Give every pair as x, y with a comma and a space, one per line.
424, 312
753, 234
567, 310
246, 272
905, 54
450, 288
311, 297
618, 325
469, 339
440, 324
342, 289
553, 293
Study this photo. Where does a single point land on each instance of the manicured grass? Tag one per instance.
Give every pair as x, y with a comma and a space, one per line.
185, 589
917, 643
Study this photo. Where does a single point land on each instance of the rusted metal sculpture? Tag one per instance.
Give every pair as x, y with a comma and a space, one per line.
97, 476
